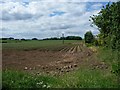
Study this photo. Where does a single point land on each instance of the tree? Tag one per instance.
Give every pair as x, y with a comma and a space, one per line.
4, 38
11, 38
34, 39
108, 23
23, 39
73, 38
89, 38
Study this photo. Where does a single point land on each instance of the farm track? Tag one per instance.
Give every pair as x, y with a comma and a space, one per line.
50, 62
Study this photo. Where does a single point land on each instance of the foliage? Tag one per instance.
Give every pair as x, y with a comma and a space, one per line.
65, 38
108, 23
34, 39
23, 39
73, 38
4, 38
96, 43
110, 57
11, 38
89, 38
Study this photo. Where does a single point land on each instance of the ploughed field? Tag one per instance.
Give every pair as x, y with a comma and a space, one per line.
53, 59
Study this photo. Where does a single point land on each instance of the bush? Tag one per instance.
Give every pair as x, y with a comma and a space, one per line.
89, 38
96, 42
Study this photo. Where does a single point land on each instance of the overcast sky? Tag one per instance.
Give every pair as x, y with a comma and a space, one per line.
47, 18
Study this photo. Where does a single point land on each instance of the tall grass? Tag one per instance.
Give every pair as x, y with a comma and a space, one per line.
82, 78
86, 78
17, 79
110, 57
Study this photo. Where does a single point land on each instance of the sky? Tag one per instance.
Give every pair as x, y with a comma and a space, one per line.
48, 18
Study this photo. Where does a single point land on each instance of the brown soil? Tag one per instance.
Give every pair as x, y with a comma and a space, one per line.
51, 62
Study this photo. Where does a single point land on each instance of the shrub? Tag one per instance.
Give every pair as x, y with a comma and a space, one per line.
89, 38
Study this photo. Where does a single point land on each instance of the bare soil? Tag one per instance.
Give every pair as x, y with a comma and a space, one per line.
51, 62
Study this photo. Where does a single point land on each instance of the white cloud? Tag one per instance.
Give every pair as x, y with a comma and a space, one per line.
96, 6
59, 0
34, 20
75, 0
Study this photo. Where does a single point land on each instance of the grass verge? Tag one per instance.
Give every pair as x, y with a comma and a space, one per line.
82, 78
17, 79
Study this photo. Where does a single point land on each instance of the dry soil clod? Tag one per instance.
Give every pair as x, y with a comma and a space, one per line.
30, 68
75, 65
26, 68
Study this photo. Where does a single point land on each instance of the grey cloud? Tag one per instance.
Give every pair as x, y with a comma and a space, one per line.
1, 2
22, 16
4, 29
18, 16
15, 16
77, 14
29, 35
58, 27
74, 31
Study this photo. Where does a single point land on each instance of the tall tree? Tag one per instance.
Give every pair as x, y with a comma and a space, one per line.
108, 23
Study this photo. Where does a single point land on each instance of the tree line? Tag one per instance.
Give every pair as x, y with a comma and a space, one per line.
52, 38
65, 38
